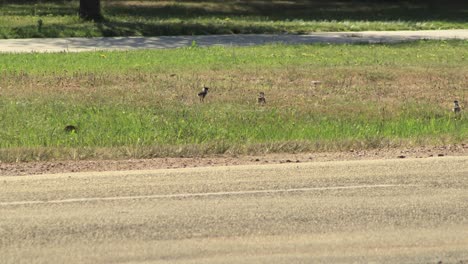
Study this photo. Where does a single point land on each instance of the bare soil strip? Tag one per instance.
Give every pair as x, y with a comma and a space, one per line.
62, 166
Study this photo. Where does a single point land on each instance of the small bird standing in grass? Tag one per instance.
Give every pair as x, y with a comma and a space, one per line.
456, 107
203, 93
261, 98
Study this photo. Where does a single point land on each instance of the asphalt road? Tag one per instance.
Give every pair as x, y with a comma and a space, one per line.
128, 43
385, 211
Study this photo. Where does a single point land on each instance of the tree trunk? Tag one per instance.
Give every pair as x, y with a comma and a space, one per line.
90, 9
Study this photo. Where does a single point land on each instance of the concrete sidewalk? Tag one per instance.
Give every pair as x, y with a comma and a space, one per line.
128, 43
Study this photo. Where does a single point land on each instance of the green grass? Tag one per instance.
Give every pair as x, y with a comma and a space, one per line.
144, 103
193, 59
154, 18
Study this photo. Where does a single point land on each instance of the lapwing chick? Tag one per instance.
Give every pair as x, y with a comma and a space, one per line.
456, 107
203, 93
70, 129
261, 98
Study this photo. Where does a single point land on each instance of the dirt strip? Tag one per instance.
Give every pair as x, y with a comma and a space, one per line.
31, 168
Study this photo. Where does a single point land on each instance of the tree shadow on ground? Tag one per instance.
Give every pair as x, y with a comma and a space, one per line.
55, 31
374, 10
113, 28
42, 9
367, 10
190, 17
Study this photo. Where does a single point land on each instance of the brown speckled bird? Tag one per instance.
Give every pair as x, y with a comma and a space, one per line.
261, 98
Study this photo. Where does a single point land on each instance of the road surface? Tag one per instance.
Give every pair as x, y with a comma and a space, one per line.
385, 211
128, 43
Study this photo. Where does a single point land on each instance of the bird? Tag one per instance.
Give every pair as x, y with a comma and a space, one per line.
456, 107
70, 129
261, 98
203, 93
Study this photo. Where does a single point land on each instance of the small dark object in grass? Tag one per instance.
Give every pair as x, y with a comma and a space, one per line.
401, 157
70, 128
39, 25
440, 155
456, 107
261, 98
203, 93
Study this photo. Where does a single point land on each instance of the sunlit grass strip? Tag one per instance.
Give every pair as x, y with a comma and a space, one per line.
421, 53
143, 103
109, 126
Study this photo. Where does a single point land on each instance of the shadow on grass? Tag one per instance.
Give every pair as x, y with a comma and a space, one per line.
118, 29
142, 17
186, 17
58, 8
164, 28
55, 31
296, 9
369, 10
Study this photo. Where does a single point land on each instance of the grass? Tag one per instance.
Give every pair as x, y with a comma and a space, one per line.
143, 104
20, 19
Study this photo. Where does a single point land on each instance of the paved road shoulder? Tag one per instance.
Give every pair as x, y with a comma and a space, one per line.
128, 43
